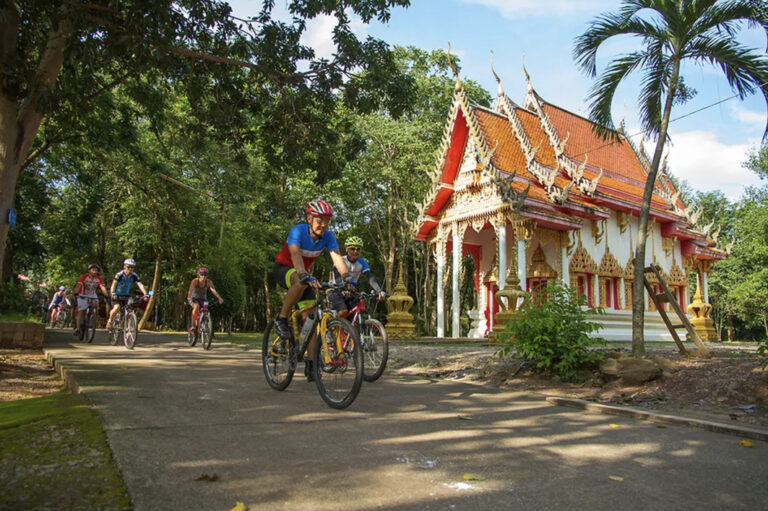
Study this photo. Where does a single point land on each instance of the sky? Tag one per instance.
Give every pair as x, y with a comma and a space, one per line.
708, 147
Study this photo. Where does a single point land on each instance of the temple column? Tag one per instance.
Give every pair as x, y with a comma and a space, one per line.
565, 266
440, 253
501, 236
522, 235
704, 285
456, 323
521, 260
622, 294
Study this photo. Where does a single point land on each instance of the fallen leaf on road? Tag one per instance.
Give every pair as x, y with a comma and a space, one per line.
464, 418
661, 426
123, 367
239, 507
474, 477
616, 478
746, 443
207, 477
614, 426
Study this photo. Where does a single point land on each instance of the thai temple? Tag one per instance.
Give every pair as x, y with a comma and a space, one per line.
533, 195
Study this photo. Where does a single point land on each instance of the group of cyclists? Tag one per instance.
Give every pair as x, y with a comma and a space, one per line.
292, 271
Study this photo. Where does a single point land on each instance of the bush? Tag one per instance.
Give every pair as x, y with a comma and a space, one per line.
12, 298
763, 351
552, 333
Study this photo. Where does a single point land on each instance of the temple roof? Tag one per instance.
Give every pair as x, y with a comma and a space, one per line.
572, 171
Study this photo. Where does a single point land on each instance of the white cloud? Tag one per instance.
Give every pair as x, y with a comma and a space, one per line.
518, 8
752, 119
709, 165
319, 33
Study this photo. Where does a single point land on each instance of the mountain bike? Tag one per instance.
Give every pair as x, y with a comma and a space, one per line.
373, 339
202, 329
88, 325
62, 317
338, 367
125, 324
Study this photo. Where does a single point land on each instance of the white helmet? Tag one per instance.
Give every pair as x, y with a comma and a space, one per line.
129, 262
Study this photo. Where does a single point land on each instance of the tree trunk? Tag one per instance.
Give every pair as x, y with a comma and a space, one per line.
19, 124
638, 288
730, 327
155, 282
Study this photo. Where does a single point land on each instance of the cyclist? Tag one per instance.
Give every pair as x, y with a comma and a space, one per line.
58, 300
342, 301
85, 290
294, 262
122, 283
198, 293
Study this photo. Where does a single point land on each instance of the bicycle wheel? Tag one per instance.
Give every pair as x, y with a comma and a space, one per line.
278, 358
90, 325
373, 339
192, 335
206, 332
61, 319
131, 330
339, 377
117, 329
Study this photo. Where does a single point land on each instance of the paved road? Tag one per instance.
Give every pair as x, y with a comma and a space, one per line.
173, 413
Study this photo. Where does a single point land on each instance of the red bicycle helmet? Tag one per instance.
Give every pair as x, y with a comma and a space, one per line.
202, 270
318, 208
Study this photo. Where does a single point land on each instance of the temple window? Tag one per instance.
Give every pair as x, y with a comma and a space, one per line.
583, 269
610, 274
540, 274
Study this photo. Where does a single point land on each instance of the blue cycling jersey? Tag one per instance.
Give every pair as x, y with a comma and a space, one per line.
310, 249
125, 283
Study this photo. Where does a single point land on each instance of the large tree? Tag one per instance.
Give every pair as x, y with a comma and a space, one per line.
58, 57
671, 32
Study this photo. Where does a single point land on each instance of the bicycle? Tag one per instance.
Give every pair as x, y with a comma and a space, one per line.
61, 318
203, 328
88, 325
338, 367
373, 339
126, 324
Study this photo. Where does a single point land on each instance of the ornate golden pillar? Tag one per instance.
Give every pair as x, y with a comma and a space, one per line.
399, 320
510, 310
700, 310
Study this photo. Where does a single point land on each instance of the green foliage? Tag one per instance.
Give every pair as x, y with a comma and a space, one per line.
13, 298
552, 333
763, 351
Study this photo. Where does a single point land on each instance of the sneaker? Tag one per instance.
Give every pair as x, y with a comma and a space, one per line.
309, 370
283, 330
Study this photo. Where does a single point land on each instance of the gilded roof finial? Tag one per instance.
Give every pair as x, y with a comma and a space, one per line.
498, 80
527, 76
453, 67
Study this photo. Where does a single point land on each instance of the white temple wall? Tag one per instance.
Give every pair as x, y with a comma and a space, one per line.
487, 240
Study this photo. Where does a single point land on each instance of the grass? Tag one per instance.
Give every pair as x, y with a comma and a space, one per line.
54, 455
16, 317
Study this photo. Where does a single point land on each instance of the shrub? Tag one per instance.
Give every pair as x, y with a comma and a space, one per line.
12, 298
551, 333
763, 351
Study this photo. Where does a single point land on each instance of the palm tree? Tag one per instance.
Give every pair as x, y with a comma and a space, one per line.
671, 31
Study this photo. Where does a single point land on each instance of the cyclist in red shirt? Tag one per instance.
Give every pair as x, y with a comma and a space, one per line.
85, 290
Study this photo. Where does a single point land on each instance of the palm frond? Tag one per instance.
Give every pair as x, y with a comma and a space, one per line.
601, 94
603, 28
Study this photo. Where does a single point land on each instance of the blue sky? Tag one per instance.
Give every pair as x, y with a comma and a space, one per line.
708, 147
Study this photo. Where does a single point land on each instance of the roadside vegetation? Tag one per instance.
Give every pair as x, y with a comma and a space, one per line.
54, 455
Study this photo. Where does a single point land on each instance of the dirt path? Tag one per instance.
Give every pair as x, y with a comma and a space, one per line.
730, 386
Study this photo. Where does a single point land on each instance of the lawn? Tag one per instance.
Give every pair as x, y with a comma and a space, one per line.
54, 455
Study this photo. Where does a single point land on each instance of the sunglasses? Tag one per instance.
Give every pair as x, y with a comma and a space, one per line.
354, 249
128, 267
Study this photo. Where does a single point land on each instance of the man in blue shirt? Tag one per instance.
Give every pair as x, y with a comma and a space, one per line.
122, 283
294, 262
357, 267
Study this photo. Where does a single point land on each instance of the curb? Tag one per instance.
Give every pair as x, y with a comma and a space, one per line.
69, 381
715, 427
